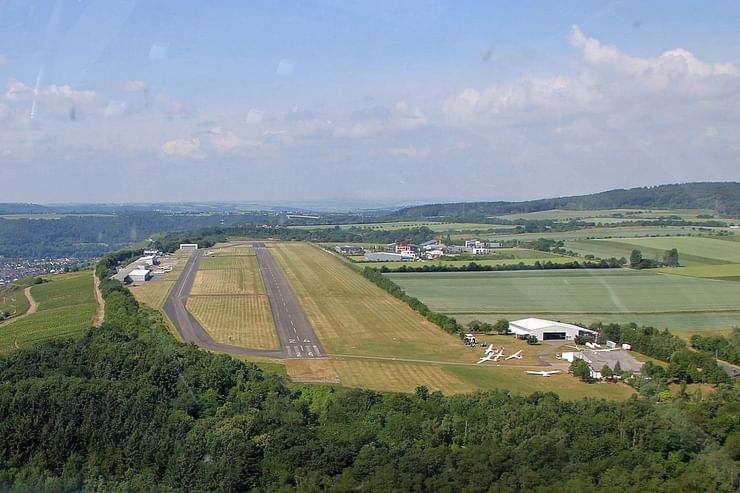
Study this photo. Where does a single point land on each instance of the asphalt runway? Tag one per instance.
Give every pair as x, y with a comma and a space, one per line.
297, 338
294, 330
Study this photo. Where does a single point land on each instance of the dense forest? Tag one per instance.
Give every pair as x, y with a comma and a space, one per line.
128, 408
94, 236
723, 197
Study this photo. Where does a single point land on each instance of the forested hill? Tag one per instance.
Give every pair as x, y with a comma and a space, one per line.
724, 197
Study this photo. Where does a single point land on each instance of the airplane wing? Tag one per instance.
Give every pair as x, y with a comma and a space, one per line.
500, 353
484, 358
489, 349
515, 355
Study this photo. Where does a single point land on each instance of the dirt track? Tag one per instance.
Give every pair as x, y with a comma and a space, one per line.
33, 305
100, 313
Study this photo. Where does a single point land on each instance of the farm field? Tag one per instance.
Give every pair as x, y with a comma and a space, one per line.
626, 231
693, 251
730, 272
228, 299
66, 307
439, 227
555, 259
153, 293
606, 214
12, 300
237, 320
353, 316
573, 295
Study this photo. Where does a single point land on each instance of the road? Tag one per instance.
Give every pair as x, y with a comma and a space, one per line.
297, 338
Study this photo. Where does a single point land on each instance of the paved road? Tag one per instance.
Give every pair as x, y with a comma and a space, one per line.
297, 338
295, 331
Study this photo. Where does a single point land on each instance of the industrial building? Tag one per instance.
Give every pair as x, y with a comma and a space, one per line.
349, 249
188, 246
547, 330
139, 275
597, 359
389, 257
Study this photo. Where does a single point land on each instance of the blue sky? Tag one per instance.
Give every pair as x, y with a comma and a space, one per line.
371, 102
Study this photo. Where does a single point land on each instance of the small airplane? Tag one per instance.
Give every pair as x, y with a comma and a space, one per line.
489, 349
517, 355
543, 373
486, 357
498, 355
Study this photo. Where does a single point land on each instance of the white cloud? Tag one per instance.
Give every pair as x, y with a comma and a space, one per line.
606, 82
411, 151
255, 116
4, 60
187, 148
285, 68
134, 86
53, 100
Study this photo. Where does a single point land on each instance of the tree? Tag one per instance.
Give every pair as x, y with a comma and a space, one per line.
670, 257
532, 340
580, 369
635, 259
501, 326
618, 368
606, 372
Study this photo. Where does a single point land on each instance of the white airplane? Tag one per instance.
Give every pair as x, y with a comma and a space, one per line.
543, 373
489, 349
487, 357
517, 355
498, 355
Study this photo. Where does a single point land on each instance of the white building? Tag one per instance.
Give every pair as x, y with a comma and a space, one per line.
139, 275
389, 257
479, 251
547, 330
188, 246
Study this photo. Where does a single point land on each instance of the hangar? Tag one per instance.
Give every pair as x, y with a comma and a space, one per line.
547, 330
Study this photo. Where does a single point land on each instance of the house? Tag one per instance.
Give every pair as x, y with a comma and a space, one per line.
432, 254
546, 330
493, 244
389, 257
479, 251
456, 249
430, 245
149, 260
473, 243
405, 247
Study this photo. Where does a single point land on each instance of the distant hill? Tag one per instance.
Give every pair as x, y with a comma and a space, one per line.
13, 208
724, 197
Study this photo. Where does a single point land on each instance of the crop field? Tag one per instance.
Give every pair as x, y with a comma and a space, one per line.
399, 377
66, 307
693, 250
606, 214
12, 300
626, 231
237, 320
225, 249
153, 293
555, 259
438, 227
228, 281
572, 295
353, 316
729, 272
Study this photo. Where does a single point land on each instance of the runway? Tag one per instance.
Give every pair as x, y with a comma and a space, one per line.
293, 327
297, 338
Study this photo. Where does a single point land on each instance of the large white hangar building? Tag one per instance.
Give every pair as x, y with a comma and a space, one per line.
547, 330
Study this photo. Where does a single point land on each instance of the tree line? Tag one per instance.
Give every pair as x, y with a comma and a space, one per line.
724, 347
128, 408
476, 267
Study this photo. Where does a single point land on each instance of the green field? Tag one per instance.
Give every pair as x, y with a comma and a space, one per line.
693, 250
604, 215
439, 227
555, 259
66, 307
12, 300
607, 232
622, 295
